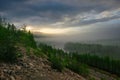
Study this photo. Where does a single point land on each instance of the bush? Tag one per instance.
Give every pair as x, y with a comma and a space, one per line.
91, 78
8, 53
7, 49
57, 64
103, 79
38, 53
79, 68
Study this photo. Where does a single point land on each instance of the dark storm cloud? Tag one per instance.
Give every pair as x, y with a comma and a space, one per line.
7, 4
52, 11
51, 6
48, 10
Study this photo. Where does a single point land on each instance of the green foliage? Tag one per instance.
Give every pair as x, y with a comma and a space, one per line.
57, 64
78, 68
7, 49
103, 79
38, 52
104, 63
19, 54
91, 78
118, 79
60, 60
77, 62
9, 38
88, 54
28, 51
25, 38
54, 56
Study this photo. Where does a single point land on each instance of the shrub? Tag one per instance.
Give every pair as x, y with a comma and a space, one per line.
103, 79
91, 78
78, 68
38, 53
7, 49
57, 64
8, 53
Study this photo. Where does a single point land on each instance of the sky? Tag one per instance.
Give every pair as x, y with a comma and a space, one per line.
83, 19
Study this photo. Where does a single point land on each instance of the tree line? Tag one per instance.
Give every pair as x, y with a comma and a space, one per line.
94, 49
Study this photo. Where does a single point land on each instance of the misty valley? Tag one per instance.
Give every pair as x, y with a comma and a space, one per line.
104, 47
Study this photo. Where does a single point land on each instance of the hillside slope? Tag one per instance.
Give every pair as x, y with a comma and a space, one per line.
31, 67
34, 68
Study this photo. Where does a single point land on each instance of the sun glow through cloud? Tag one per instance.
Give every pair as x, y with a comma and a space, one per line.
53, 31
29, 28
48, 30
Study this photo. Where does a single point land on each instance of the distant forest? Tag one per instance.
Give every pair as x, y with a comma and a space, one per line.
94, 49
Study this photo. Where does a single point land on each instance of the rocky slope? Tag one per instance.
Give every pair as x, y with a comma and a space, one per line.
30, 67
34, 68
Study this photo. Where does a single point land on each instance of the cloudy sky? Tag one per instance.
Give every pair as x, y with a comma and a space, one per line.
83, 18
